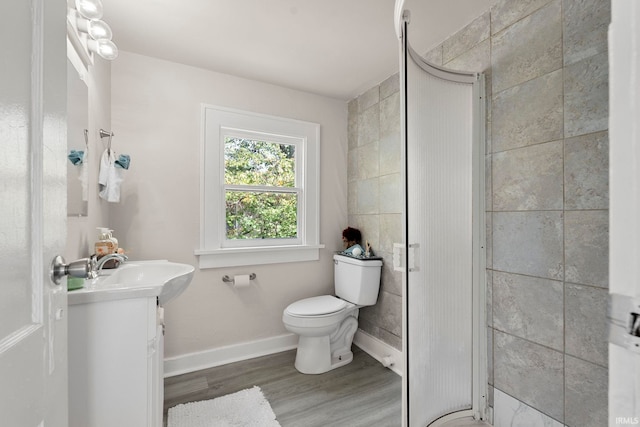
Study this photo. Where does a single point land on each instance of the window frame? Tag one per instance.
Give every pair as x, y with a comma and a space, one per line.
215, 250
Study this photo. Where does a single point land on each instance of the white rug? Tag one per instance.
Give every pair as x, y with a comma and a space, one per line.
246, 408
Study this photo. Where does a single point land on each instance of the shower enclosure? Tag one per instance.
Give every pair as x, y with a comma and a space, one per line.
444, 280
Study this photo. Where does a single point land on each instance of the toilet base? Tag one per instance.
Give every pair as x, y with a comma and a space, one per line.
342, 360
320, 354
314, 356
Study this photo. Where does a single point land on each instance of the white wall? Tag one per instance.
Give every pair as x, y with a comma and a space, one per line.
624, 275
81, 232
156, 119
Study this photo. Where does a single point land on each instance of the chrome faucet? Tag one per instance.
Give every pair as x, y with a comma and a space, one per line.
99, 263
92, 273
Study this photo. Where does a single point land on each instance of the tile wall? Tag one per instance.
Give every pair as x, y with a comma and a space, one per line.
547, 201
374, 197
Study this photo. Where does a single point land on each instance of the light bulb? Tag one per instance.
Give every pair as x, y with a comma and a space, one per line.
96, 28
105, 48
90, 9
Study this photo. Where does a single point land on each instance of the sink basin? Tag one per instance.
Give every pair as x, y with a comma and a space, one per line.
161, 278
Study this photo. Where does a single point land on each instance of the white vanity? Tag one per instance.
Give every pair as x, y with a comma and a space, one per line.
116, 344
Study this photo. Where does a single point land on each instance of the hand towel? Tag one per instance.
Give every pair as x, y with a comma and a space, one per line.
76, 157
110, 178
123, 161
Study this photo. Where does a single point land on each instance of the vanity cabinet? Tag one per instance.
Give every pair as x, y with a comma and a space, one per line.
115, 361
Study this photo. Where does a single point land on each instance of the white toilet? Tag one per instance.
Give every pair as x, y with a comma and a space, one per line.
326, 324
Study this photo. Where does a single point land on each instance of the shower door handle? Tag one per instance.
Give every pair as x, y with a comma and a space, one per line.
409, 259
412, 256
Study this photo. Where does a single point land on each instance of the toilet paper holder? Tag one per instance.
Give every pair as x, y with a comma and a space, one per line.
228, 279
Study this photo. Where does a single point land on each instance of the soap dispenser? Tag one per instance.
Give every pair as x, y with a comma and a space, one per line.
104, 245
115, 242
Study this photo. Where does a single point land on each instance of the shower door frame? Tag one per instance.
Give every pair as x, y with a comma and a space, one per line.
479, 382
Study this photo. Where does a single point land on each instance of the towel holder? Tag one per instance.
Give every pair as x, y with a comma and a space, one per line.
227, 279
105, 134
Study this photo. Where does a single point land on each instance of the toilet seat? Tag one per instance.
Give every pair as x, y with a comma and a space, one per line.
317, 313
324, 305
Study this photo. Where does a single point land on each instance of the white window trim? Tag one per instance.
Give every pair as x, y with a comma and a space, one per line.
212, 252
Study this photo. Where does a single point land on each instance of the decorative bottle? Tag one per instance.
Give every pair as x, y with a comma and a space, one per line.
104, 245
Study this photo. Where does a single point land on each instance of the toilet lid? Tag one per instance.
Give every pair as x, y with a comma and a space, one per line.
325, 304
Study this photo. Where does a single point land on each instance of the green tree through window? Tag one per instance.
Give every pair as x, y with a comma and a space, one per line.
260, 189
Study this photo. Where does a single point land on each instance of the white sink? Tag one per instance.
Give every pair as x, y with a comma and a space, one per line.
160, 278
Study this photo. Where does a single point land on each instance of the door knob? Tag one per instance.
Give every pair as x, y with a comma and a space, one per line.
80, 268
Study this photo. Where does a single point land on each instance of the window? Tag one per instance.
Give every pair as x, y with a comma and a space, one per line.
259, 189
261, 195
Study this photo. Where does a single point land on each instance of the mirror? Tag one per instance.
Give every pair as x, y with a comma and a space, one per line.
77, 123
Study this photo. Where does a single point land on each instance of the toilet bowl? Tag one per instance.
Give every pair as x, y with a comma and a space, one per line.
326, 324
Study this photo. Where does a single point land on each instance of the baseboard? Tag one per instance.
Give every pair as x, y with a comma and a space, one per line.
228, 354
381, 351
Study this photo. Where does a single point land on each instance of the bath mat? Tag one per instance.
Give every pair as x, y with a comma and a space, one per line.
246, 408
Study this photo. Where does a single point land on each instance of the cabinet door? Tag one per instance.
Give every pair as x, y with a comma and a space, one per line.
110, 348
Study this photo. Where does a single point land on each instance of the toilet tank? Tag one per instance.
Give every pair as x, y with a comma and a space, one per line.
357, 280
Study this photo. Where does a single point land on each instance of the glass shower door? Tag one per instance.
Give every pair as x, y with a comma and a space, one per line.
444, 228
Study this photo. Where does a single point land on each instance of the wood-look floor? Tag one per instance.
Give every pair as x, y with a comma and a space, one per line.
362, 393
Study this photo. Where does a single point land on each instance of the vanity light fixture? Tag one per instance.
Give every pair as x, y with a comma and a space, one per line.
103, 47
90, 9
87, 32
97, 29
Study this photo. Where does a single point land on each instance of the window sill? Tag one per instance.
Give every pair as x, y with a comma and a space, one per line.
235, 257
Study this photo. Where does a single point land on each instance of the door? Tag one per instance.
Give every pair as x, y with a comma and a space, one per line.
624, 252
33, 362
444, 289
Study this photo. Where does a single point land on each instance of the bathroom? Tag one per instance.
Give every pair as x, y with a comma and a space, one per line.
547, 200
359, 190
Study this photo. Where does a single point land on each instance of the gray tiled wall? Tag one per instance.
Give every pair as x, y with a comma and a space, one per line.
547, 198
375, 203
